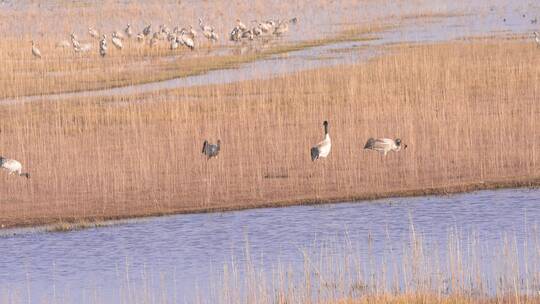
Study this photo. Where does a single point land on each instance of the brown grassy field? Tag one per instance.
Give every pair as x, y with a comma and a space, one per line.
469, 112
63, 70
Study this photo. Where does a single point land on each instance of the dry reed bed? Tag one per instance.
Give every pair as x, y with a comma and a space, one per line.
63, 70
456, 268
468, 111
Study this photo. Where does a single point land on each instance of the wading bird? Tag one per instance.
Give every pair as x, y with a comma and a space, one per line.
187, 41
103, 46
236, 34
35, 50
12, 166
174, 43
211, 35
537, 38
384, 145
93, 32
128, 31
211, 150
322, 149
147, 30
116, 41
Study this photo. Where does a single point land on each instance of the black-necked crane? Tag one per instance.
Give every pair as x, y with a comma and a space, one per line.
12, 166
140, 37
384, 145
185, 40
323, 148
236, 34
35, 50
116, 41
75, 41
211, 35
128, 31
174, 43
103, 46
93, 32
147, 30
211, 150
537, 38
267, 26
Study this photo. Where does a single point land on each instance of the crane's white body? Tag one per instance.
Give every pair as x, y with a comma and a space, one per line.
12, 166
35, 50
324, 146
117, 42
537, 38
92, 32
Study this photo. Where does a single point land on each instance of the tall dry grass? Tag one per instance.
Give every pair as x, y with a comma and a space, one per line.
469, 112
464, 269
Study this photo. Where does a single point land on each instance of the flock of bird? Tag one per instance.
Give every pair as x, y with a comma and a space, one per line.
323, 148
320, 150
176, 37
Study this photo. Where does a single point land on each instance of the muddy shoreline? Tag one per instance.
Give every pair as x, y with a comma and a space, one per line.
67, 224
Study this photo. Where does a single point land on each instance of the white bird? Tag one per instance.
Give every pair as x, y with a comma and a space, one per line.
187, 41
13, 166
119, 34
75, 41
174, 43
257, 31
35, 50
117, 41
266, 26
147, 30
537, 38
322, 149
140, 37
384, 145
211, 35
93, 32
128, 31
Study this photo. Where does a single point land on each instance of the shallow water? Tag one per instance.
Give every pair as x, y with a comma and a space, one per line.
480, 20
181, 254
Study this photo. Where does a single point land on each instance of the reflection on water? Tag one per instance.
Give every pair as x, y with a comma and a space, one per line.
181, 254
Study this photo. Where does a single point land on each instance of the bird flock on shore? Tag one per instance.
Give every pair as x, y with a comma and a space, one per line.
210, 150
175, 38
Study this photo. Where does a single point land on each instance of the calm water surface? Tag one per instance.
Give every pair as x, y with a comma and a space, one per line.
181, 254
